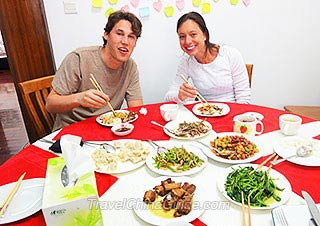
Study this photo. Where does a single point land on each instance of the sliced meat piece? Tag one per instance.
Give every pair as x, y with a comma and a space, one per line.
169, 187
149, 196
177, 192
160, 190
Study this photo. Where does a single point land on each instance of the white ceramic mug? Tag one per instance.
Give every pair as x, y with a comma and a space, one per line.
169, 111
247, 124
289, 124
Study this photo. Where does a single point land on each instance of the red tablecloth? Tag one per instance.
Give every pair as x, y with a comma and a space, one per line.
33, 160
90, 130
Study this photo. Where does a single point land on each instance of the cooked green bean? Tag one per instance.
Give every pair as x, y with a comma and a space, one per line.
177, 160
259, 185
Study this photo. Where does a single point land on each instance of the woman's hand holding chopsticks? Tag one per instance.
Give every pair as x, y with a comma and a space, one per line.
190, 89
187, 91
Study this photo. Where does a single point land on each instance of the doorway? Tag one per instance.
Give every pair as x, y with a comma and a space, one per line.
25, 34
13, 135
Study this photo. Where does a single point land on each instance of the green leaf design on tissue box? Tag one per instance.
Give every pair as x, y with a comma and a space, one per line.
79, 192
84, 218
85, 186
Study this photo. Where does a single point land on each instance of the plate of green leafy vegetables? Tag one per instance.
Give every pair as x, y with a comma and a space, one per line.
267, 187
178, 160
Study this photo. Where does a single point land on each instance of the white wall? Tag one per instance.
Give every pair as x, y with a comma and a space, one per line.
281, 39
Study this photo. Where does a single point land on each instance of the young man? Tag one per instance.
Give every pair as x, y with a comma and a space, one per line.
74, 97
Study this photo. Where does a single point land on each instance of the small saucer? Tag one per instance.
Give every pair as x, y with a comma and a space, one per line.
122, 129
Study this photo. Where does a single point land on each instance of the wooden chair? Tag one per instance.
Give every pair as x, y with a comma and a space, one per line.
249, 69
34, 93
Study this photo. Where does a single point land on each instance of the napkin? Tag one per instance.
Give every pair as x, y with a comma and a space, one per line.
78, 161
56, 148
294, 215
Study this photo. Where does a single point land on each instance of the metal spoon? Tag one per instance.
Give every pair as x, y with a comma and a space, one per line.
302, 151
160, 149
179, 134
222, 153
106, 146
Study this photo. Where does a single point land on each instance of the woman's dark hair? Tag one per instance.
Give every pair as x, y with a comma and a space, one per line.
116, 16
196, 17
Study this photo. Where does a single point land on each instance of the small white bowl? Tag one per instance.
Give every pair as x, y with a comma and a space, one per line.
122, 129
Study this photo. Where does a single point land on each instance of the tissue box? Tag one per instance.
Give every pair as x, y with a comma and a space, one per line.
77, 205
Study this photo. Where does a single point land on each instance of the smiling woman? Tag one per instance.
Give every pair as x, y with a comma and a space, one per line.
217, 72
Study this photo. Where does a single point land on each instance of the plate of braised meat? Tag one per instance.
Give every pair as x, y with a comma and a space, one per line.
168, 200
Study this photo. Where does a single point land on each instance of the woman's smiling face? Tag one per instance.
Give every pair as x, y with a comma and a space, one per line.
192, 39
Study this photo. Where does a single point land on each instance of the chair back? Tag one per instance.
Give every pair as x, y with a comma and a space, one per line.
249, 69
34, 93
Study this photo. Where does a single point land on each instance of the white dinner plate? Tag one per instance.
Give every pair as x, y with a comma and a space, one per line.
174, 125
280, 180
211, 155
287, 146
108, 114
145, 214
122, 167
26, 201
189, 148
225, 109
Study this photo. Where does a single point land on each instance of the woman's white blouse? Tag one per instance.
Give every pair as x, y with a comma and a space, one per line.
225, 79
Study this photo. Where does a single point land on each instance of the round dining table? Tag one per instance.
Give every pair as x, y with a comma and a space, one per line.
116, 191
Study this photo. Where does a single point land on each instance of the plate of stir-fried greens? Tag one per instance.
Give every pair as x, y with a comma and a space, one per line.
267, 188
178, 160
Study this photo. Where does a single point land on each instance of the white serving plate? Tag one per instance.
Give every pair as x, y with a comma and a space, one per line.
225, 110
281, 181
287, 146
190, 148
211, 155
98, 119
122, 167
145, 214
173, 125
26, 201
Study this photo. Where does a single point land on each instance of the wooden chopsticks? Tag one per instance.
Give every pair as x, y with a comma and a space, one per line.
199, 95
11, 194
98, 87
249, 211
263, 163
244, 212
275, 158
248, 198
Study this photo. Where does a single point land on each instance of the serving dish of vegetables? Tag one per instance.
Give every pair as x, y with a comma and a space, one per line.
178, 160
267, 188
